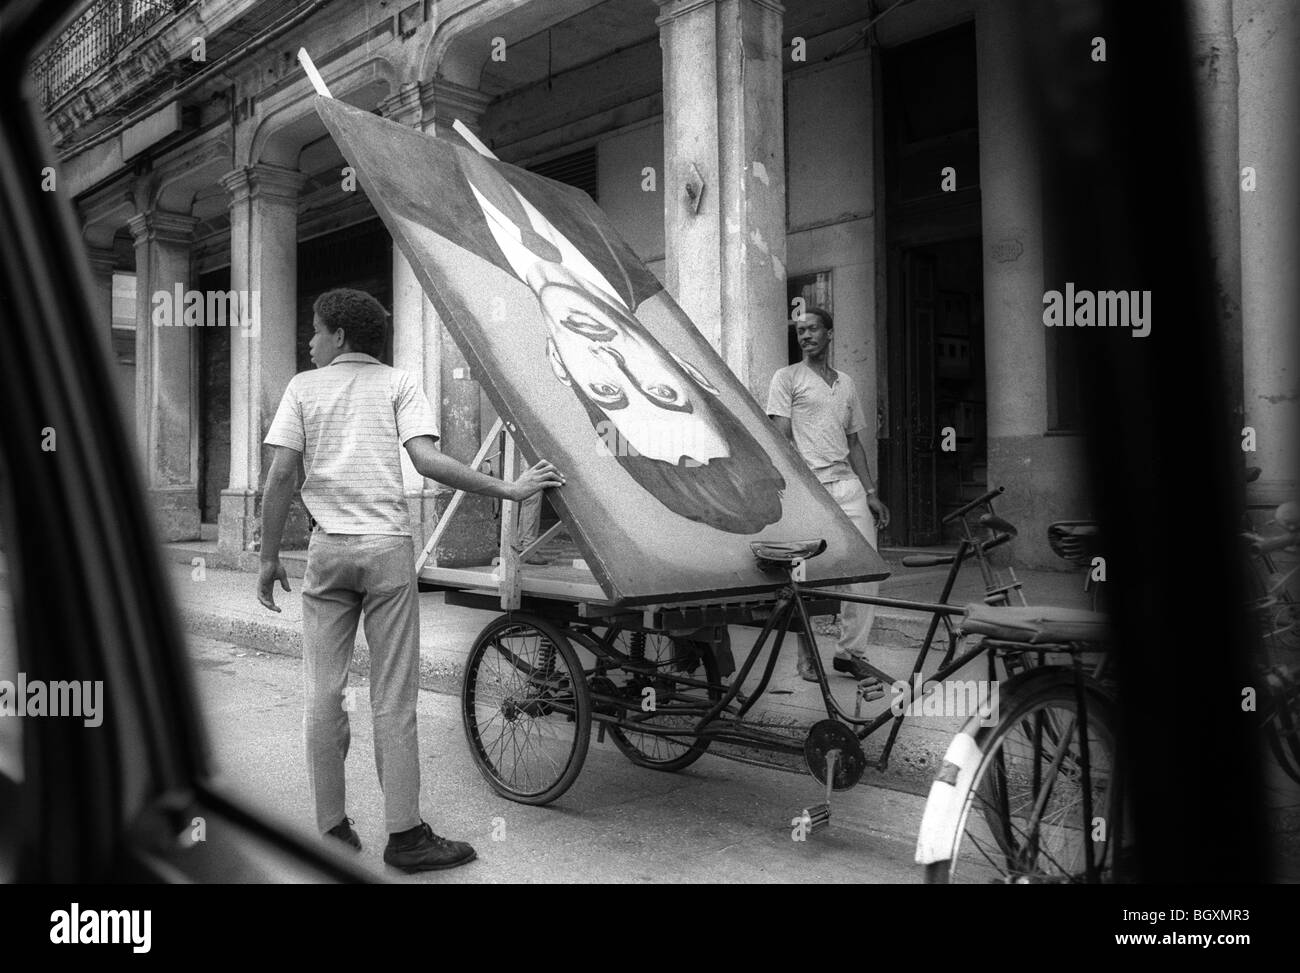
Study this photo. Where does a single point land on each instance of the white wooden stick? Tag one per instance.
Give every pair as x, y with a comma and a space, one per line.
463, 130
511, 588
445, 520
313, 75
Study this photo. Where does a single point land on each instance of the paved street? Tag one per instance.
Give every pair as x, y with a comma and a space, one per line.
718, 821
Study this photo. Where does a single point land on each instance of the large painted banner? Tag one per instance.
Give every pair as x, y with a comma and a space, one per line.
671, 467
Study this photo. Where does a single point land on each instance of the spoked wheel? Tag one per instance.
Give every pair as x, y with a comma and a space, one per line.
655, 659
1282, 718
1024, 817
1281, 715
526, 709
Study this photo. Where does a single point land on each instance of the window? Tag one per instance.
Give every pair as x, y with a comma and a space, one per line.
124, 318
577, 169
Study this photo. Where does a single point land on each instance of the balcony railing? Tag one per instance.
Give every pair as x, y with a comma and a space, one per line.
97, 35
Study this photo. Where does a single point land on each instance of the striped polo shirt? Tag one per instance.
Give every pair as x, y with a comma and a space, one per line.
349, 420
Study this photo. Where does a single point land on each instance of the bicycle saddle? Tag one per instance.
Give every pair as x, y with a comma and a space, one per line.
997, 523
1036, 624
786, 552
1288, 515
1075, 541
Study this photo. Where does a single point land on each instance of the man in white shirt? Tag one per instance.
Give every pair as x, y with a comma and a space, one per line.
337, 433
818, 408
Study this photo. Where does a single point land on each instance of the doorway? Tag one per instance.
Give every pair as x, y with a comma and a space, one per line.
933, 449
939, 445
214, 409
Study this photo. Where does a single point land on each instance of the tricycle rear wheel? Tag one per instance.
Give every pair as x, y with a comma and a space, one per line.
526, 709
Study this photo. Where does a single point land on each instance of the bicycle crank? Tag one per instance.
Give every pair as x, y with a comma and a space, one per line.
850, 764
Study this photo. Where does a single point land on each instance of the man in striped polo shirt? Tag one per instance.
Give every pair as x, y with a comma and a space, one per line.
337, 434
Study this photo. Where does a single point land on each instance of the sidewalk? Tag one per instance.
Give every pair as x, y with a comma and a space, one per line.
219, 603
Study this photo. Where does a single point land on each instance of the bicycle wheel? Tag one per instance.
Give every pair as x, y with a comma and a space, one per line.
526, 710
653, 660
1022, 816
1281, 718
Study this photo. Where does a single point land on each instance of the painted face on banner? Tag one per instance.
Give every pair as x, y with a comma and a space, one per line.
659, 403
670, 430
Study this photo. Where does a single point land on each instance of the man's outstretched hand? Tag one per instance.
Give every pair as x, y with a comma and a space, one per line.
271, 571
540, 476
878, 510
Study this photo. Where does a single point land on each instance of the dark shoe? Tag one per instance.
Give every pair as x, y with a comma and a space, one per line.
537, 559
420, 850
860, 670
344, 833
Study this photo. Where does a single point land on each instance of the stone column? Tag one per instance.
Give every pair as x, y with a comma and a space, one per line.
166, 393
1268, 99
417, 333
1043, 474
1214, 59
103, 262
264, 267
724, 177
423, 347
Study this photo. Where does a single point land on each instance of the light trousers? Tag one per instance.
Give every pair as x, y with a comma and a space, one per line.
351, 577
855, 620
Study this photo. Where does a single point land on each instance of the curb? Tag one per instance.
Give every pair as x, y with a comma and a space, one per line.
286, 640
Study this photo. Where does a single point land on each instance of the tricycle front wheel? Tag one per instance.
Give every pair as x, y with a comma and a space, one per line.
666, 704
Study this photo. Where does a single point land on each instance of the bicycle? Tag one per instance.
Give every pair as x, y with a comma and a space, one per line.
529, 700
1033, 793
1276, 606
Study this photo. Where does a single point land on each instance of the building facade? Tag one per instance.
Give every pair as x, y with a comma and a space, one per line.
877, 160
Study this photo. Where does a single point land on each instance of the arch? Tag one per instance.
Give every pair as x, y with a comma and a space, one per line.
182, 178
447, 52
286, 128
104, 214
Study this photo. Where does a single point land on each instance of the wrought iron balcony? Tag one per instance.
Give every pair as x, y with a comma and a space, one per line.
93, 39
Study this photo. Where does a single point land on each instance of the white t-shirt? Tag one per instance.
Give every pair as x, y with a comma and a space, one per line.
822, 417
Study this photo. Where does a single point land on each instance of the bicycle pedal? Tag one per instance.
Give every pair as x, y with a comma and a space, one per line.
815, 818
868, 690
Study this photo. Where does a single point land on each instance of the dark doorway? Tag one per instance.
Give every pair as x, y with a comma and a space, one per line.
944, 451
360, 257
214, 406
933, 453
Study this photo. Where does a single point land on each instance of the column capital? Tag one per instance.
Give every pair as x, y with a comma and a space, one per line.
103, 260
445, 101
405, 106
263, 181
670, 10
157, 225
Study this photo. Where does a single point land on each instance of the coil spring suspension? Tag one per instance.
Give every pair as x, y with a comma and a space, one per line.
638, 646
546, 657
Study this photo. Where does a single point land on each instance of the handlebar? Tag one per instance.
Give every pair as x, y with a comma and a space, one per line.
962, 511
930, 560
927, 560
1267, 545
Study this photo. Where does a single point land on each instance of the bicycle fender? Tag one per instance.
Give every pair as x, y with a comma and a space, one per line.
944, 806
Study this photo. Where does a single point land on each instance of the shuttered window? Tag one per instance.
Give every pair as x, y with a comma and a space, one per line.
576, 169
